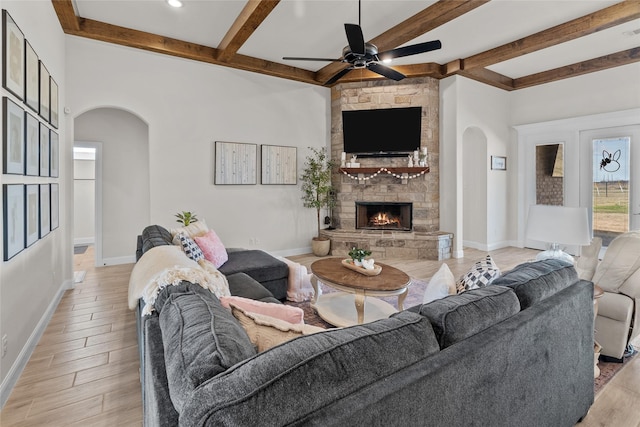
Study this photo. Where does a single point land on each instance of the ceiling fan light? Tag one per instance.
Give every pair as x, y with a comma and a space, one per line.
174, 3
387, 60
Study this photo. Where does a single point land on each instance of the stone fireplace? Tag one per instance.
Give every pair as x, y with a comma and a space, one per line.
388, 180
384, 216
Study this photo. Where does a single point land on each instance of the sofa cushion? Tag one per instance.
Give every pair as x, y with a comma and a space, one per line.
212, 248
481, 274
458, 317
244, 286
440, 285
155, 235
258, 264
201, 338
317, 369
266, 331
535, 281
280, 311
190, 248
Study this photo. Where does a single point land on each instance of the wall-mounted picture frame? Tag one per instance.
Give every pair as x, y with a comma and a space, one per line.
235, 163
12, 137
54, 155
32, 206
55, 206
44, 150
279, 165
13, 199
45, 210
32, 146
12, 56
53, 103
499, 163
44, 92
32, 78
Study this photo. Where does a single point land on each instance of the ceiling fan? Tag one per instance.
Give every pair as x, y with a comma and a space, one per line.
359, 54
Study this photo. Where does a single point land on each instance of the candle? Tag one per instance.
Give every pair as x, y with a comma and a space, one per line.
424, 151
415, 154
343, 156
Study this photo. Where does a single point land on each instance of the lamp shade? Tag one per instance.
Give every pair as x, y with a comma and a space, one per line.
558, 224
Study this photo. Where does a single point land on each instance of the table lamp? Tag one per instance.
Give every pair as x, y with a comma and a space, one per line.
558, 225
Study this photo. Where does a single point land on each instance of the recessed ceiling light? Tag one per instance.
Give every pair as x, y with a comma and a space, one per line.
174, 3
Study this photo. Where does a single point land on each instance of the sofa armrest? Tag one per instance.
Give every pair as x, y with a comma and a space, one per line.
631, 286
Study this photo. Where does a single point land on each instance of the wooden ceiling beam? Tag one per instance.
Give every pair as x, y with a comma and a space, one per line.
429, 69
602, 19
489, 77
422, 22
97, 30
253, 14
66, 15
597, 64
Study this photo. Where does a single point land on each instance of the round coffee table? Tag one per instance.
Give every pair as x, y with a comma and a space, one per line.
337, 308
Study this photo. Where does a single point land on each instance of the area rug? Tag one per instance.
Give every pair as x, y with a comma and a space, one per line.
607, 369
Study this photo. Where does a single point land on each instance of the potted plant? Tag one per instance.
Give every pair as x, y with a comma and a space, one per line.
186, 217
317, 192
358, 254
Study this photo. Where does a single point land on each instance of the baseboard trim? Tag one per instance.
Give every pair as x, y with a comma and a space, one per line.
292, 252
79, 241
23, 358
119, 260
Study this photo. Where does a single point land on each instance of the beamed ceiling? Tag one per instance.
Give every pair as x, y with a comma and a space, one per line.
509, 44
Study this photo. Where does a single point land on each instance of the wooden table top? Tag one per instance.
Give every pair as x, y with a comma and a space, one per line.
332, 270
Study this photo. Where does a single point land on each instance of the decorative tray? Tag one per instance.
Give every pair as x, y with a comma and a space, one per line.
350, 265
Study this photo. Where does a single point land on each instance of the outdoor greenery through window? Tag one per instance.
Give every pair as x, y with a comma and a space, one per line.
610, 187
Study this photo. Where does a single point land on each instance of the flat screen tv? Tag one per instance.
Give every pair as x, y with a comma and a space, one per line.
388, 132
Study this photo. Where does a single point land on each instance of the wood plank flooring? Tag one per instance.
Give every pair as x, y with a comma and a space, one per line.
84, 371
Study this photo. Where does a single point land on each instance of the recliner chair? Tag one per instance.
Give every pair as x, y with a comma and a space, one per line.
618, 274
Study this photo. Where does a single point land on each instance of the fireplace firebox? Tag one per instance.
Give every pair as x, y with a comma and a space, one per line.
384, 216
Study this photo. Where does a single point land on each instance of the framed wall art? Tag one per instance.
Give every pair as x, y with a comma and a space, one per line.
13, 198
44, 92
55, 206
33, 213
45, 210
32, 150
32, 78
499, 163
44, 150
278, 165
12, 137
12, 56
235, 163
54, 154
53, 103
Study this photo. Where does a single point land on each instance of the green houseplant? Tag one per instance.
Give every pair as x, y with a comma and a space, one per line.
186, 217
317, 192
358, 254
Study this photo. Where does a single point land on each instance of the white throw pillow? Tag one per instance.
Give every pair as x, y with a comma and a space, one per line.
441, 284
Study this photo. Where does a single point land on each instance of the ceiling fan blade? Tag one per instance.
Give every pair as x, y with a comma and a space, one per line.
296, 58
355, 38
413, 49
385, 71
338, 76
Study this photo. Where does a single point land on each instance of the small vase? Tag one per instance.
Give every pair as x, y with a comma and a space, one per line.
357, 262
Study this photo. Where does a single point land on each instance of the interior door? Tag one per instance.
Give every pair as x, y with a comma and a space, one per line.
610, 180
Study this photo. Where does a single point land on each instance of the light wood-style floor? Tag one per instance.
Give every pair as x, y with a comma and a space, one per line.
84, 371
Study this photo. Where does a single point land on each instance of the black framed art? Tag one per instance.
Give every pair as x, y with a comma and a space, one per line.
32, 78
13, 198
32, 206
32, 150
44, 92
53, 103
54, 154
12, 137
44, 150
55, 206
45, 210
12, 56
499, 163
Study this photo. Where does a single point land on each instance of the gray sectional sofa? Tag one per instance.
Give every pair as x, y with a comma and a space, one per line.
516, 353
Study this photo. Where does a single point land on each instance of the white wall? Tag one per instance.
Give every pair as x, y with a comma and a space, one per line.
125, 179
188, 106
84, 197
32, 282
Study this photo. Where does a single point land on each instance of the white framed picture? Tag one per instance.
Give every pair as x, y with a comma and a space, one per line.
55, 206
279, 165
13, 60
44, 150
32, 204
13, 137
32, 149
54, 154
44, 92
13, 198
235, 163
45, 210
32, 78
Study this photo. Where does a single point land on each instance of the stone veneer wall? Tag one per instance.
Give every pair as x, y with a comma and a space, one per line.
422, 191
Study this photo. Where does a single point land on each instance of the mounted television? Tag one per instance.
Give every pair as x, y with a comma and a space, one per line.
388, 132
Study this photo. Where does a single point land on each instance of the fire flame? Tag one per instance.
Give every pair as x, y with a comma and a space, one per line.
383, 218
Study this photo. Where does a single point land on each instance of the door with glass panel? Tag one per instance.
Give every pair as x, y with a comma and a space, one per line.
614, 177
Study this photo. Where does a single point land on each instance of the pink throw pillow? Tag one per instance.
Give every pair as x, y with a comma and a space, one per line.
287, 313
212, 248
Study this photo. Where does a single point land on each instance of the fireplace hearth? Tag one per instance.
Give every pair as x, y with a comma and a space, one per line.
384, 216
